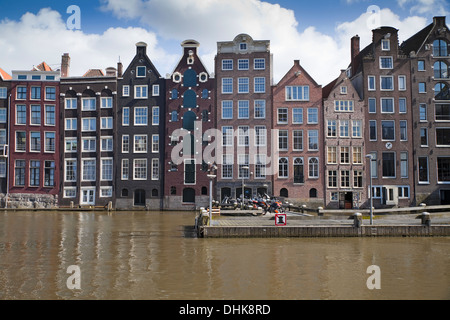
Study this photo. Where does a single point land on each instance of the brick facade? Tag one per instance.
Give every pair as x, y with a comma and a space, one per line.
298, 130
243, 69
190, 115
345, 173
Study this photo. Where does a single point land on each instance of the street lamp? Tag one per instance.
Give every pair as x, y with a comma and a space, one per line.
370, 157
242, 194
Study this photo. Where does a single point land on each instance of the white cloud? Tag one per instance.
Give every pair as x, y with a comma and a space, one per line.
434, 7
209, 21
45, 37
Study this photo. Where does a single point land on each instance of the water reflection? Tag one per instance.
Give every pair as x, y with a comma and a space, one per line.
139, 255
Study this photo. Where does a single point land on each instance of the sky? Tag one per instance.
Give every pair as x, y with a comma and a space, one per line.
317, 33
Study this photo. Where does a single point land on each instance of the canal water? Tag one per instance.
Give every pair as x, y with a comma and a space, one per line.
140, 255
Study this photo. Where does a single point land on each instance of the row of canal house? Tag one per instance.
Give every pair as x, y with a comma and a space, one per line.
133, 138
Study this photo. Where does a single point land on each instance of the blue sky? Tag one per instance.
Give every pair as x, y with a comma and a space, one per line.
110, 28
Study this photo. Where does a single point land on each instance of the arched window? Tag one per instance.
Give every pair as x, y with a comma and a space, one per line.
190, 99
440, 70
205, 94
298, 171
188, 195
313, 193
440, 48
284, 193
283, 168
124, 192
189, 120
313, 168
174, 116
190, 78
154, 192
441, 91
174, 94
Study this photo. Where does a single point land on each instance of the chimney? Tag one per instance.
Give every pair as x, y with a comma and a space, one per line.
119, 69
439, 21
65, 65
355, 43
141, 49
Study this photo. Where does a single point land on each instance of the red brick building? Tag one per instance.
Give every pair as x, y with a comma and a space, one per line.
34, 138
298, 133
5, 83
190, 113
381, 74
429, 54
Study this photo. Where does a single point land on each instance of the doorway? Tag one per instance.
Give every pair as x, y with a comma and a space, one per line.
346, 200
87, 196
139, 197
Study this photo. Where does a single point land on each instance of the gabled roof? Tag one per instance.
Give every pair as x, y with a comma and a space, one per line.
42, 67
297, 65
327, 89
415, 42
4, 75
94, 73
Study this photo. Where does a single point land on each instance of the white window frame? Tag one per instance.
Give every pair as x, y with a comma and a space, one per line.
126, 91
89, 107
141, 95
83, 139
106, 102
145, 149
141, 116
105, 139
144, 161
82, 169
102, 177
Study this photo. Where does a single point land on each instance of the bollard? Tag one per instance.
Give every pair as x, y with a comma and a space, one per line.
357, 219
425, 217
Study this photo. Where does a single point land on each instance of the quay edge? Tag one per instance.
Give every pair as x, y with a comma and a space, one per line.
323, 231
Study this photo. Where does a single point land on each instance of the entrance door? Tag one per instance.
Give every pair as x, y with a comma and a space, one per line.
139, 197
345, 200
87, 196
349, 200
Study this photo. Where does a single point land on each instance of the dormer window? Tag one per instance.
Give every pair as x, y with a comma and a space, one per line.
343, 89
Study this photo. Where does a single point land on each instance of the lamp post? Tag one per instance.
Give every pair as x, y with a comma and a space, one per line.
242, 194
370, 157
211, 177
